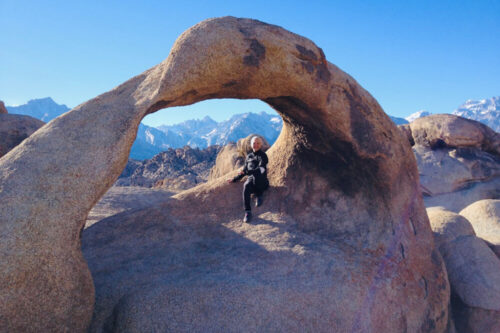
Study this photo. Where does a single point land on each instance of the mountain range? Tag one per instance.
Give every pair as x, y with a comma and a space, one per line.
201, 133
486, 111
44, 109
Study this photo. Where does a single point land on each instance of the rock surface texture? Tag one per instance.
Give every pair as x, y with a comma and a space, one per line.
458, 160
473, 271
342, 242
14, 129
123, 198
484, 215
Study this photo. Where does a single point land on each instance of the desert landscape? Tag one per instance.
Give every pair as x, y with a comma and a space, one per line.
367, 226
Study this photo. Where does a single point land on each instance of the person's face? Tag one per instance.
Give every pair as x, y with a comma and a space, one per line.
256, 145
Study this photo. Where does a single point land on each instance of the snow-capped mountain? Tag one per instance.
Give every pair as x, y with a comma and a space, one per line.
242, 125
416, 115
202, 133
486, 111
151, 141
398, 121
206, 132
44, 109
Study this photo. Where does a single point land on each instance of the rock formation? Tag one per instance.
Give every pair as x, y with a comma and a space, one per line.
342, 243
473, 271
174, 169
458, 160
484, 215
14, 129
3, 110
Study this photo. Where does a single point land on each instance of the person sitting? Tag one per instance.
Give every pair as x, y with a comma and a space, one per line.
256, 169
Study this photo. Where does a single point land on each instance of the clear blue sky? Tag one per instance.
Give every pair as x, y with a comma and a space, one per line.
410, 55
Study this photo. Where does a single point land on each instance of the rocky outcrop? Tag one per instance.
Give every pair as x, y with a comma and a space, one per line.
458, 160
228, 159
3, 110
446, 130
14, 129
473, 271
174, 169
342, 242
484, 215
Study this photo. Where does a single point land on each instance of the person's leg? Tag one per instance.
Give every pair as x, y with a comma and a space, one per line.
261, 186
248, 188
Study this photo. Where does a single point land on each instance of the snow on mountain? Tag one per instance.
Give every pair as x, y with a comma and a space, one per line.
151, 141
44, 109
486, 111
416, 115
201, 133
206, 132
398, 121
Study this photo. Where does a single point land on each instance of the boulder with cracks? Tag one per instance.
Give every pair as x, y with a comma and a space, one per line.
342, 242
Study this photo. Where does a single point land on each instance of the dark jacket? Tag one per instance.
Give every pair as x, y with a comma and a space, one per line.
256, 167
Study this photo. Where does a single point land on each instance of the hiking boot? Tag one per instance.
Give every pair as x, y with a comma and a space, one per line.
248, 217
258, 201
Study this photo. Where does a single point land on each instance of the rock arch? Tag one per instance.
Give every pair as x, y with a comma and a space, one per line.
340, 168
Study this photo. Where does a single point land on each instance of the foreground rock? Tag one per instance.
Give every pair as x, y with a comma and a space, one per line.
473, 271
458, 160
14, 129
484, 215
125, 198
342, 244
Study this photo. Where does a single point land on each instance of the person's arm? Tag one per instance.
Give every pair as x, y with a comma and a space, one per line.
263, 163
239, 176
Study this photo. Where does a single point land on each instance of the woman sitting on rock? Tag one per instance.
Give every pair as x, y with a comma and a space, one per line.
256, 170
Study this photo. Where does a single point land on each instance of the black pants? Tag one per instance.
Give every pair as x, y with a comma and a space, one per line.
255, 185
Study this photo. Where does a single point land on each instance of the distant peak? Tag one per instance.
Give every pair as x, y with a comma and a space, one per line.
207, 118
418, 114
42, 100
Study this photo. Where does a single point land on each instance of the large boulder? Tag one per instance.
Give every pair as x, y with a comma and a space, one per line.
342, 243
447, 130
14, 128
473, 271
228, 159
458, 160
484, 215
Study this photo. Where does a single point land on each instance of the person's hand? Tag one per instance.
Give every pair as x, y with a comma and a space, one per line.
230, 180
241, 173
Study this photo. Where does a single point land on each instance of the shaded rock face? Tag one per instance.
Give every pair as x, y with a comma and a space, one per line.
484, 215
473, 271
458, 160
342, 244
14, 129
166, 169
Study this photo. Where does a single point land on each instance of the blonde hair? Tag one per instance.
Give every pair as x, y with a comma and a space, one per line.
255, 138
